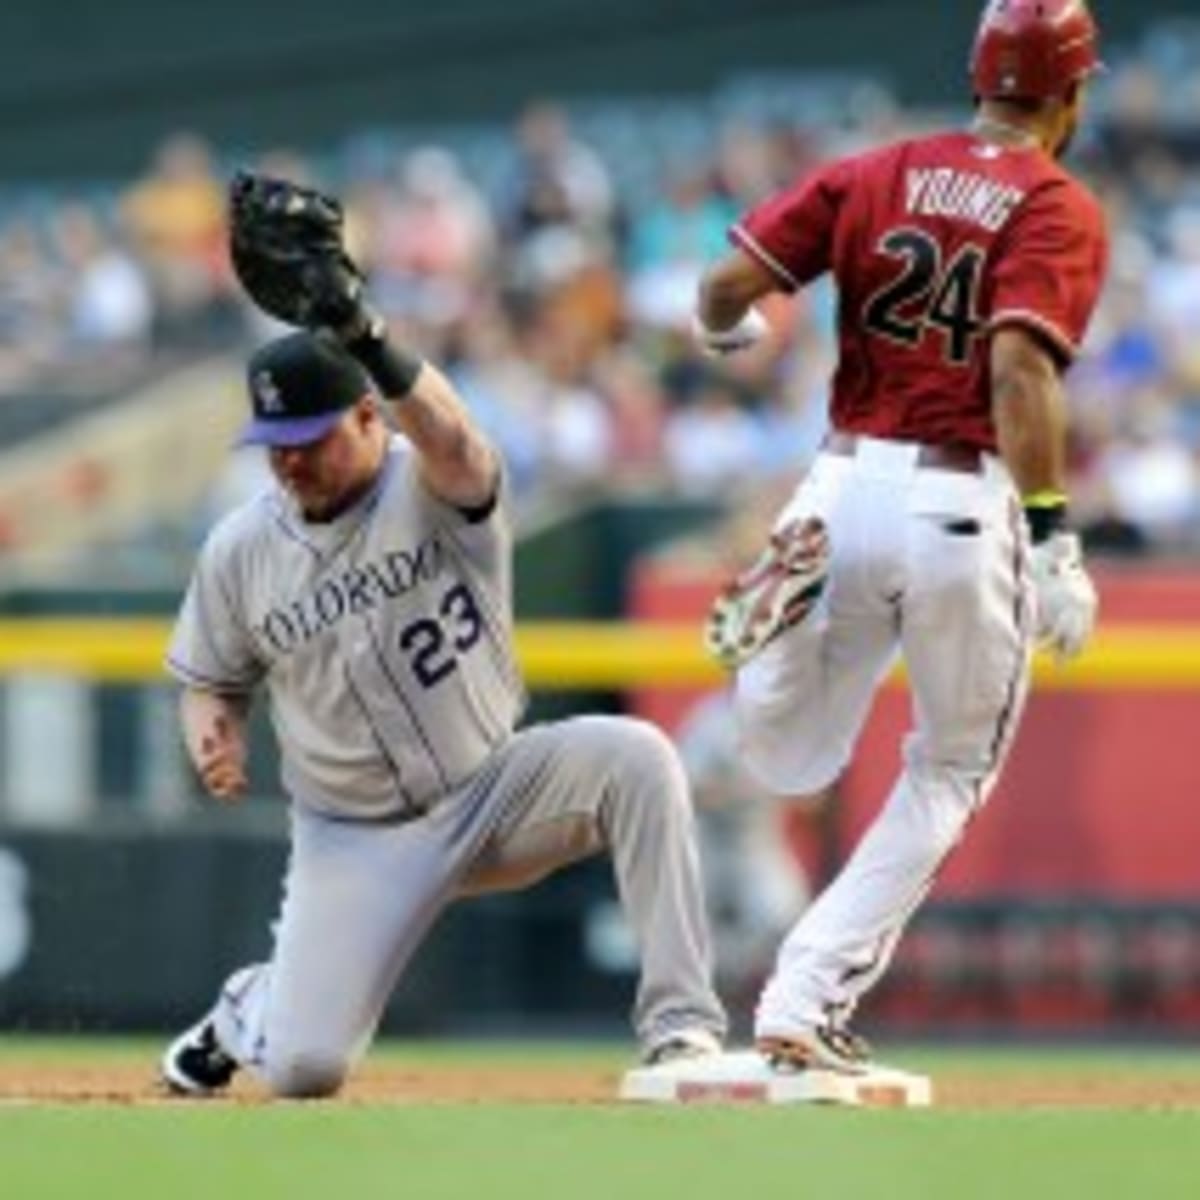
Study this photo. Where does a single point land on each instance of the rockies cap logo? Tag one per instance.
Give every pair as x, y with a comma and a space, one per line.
267, 392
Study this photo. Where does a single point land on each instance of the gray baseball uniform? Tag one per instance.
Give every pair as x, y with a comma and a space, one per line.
383, 639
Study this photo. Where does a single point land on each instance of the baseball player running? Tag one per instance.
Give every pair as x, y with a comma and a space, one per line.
934, 521
368, 595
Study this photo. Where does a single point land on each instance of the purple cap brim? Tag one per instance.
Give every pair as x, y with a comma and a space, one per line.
288, 431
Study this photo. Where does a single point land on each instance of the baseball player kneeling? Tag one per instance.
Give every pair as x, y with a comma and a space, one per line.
368, 595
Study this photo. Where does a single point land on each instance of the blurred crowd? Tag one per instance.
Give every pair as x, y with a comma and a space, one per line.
551, 267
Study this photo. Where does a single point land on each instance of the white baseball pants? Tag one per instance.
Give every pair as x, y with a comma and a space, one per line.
929, 563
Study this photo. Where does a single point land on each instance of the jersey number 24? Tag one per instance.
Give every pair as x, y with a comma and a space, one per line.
926, 292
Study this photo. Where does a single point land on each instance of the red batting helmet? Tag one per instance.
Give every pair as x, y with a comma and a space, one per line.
1033, 49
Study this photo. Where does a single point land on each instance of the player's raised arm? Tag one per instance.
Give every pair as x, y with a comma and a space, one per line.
286, 243
457, 462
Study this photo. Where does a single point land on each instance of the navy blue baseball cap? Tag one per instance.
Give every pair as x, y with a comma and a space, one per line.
300, 385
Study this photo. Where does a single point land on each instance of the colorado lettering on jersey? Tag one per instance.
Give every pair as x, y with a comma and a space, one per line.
354, 590
945, 192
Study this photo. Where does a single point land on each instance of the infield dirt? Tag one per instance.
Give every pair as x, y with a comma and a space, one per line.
392, 1083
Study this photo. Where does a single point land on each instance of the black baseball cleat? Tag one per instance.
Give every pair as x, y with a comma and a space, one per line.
775, 593
194, 1063
819, 1047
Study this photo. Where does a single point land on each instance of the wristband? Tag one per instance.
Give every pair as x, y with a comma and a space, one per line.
1045, 514
393, 370
749, 330
1046, 498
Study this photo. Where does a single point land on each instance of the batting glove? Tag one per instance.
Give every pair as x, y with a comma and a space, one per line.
1066, 596
750, 330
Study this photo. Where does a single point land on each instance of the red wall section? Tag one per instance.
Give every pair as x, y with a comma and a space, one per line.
1137, 594
1101, 796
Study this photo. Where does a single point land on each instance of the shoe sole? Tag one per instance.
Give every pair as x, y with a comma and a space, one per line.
788, 578
175, 1084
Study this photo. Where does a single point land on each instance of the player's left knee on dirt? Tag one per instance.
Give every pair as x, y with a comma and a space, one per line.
306, 1075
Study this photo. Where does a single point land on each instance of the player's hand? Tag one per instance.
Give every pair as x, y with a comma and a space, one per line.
1066, 596
749, 331
220, 758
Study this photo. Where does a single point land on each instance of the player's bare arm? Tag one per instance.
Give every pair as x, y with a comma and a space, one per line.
726, 319
457, 462
1030, 416
1029, 410
214, 727
730, 287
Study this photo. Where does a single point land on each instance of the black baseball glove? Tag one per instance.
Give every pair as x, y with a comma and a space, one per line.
286, 246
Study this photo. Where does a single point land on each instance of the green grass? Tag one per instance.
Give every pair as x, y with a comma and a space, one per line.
597, 1152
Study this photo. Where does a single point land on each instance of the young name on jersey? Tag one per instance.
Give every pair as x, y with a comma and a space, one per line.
945, 192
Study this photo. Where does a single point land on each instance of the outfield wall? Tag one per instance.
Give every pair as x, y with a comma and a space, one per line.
1101, 797
135, 929
1074, 905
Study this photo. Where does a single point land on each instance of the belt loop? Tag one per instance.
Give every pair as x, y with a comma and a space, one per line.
841, 444
966, 460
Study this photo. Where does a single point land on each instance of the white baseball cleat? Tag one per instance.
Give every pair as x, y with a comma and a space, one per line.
775, 593
817, 1047
682, 1044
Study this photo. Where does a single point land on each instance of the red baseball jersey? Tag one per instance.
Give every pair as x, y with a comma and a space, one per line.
934, 243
